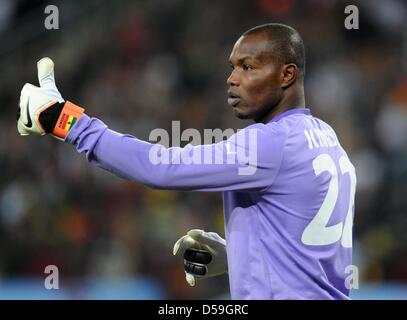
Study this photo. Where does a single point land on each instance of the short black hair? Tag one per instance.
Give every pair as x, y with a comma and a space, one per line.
287, 44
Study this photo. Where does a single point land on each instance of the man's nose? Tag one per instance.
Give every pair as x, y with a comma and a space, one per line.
233, 80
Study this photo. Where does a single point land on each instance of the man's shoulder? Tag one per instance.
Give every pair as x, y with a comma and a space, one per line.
304, 128
273, 132
267, 133
300, 122
292, 126
289, 123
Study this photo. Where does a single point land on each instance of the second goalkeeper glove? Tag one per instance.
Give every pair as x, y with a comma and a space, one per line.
204, 255
42, 109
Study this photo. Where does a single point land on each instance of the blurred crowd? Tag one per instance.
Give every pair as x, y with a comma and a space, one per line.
158, 62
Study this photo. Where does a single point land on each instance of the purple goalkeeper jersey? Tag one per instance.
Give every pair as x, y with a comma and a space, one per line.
288, 191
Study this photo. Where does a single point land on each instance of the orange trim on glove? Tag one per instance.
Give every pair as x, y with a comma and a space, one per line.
69, 115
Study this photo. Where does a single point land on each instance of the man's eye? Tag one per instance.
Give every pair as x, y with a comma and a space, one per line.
246, 67
232, 66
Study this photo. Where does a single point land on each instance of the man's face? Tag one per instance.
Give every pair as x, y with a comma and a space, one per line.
254, 84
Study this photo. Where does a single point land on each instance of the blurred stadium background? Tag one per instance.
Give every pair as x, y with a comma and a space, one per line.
138, 65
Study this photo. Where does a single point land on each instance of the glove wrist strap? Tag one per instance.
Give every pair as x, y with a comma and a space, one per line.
69, 115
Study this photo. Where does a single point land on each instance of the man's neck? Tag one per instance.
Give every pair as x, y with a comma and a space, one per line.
293, 101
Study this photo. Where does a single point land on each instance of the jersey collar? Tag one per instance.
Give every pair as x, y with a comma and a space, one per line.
305, 111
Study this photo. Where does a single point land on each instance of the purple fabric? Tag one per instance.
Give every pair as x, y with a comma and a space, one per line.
278, 246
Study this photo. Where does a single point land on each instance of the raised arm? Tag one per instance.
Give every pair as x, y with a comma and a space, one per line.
249, 160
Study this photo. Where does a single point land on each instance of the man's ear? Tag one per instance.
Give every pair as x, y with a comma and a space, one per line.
289, 75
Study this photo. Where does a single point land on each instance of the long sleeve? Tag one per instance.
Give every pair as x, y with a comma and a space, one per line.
248, 160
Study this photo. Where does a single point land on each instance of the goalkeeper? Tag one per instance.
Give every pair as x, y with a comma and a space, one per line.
288, 208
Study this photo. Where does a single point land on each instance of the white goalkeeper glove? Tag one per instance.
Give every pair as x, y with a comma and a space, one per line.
42, 109
204, 255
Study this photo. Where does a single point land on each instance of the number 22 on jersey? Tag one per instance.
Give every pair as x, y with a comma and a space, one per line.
317, 232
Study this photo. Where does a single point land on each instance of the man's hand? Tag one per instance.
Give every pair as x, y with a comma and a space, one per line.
42, 109
204, 255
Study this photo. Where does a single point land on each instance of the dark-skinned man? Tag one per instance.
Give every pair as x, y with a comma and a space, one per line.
288, 185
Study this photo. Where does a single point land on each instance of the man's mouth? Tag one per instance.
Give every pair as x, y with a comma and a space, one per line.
233, 99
